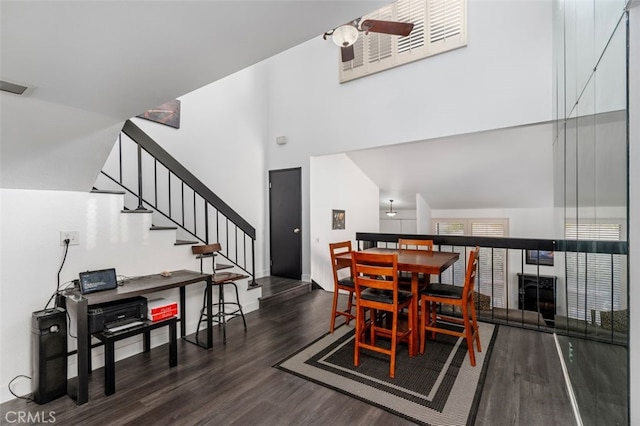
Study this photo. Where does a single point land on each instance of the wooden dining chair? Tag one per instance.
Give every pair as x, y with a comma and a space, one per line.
409, 244
376, 288
345, 283
404, 243
453, 295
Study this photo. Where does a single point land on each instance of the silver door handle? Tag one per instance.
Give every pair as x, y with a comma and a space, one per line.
296, 230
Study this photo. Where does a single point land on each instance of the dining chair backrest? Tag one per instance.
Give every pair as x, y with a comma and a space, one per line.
337, 249
404, 243
471, 273
375, 270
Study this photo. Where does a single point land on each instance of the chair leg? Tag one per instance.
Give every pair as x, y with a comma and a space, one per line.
468, 334
359, 330
372, 330
394, 342
412, 328
475, 328
423, 323
434, 317
333, 310
221, 312
349, 307
240, 306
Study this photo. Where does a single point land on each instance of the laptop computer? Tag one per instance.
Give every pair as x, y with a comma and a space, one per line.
92, 281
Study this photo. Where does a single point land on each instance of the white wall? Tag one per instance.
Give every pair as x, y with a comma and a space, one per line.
523, 223
31, 255
404, 222
501, 79
221, 141
337, 183
423, 215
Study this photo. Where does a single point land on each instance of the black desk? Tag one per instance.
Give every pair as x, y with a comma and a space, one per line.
134, 287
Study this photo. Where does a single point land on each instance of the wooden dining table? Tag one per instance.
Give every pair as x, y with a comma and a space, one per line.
416, 262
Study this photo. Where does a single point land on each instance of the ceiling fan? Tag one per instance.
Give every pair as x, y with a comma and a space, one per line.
346, 35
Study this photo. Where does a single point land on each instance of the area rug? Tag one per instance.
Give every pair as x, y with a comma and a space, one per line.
437, 388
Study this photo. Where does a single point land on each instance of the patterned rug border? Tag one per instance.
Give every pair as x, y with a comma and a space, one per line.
487, 350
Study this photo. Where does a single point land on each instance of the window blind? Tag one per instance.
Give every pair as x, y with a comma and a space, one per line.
492, 270
439, 26
594, 280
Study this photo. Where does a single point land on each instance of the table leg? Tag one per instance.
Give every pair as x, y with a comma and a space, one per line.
173, 346
414, 312
183, 316
84, 348
109, 368
209, 312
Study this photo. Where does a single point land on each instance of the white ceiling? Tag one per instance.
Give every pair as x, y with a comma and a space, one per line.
90, 65
507, 168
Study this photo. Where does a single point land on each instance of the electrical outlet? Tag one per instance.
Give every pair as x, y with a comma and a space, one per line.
72, 236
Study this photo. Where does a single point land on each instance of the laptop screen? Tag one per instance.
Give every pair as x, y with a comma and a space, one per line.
92, 281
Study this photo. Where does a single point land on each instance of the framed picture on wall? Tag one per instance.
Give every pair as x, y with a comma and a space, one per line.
541, 257
338, 219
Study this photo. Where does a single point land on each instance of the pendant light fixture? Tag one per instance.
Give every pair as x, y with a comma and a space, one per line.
391, 213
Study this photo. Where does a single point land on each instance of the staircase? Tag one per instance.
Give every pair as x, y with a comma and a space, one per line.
276, 290
153, 182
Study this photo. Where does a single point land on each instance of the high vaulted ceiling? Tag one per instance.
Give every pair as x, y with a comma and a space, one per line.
90, 65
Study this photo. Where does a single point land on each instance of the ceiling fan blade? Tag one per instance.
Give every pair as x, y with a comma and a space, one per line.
347, 53
387, 27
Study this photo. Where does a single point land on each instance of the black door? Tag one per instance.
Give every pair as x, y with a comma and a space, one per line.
285, 219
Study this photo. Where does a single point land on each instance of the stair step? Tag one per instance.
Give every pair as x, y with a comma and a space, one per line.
221, 266
136, 211
106, 191
186, 243
282, 296
163, 228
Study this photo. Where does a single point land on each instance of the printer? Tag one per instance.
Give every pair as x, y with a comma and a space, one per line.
105, 316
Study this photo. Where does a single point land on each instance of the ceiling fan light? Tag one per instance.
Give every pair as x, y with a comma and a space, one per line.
345, 35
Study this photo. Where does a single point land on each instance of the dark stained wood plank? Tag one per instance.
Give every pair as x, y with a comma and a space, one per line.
236, 384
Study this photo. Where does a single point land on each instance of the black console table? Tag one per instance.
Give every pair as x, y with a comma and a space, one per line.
134, 287
538, 293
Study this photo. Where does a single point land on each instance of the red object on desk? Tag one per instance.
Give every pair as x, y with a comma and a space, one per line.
161, 309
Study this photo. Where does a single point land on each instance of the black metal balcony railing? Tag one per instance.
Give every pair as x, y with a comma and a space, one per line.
154, 180
580, 294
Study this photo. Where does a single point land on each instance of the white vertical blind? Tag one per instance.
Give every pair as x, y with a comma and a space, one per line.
492, 263
455, 274
594, 280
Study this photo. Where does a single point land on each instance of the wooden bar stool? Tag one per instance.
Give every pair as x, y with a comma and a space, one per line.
220, 279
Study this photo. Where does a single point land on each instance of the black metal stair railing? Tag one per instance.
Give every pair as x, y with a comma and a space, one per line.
154, 180
580, 294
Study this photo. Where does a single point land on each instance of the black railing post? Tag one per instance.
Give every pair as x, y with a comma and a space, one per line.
120, 157
206, 222
140, 204
253, 283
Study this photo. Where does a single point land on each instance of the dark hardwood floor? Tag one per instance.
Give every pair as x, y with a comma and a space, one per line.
236, 384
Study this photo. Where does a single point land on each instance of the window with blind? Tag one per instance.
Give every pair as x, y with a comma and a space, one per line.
594, 280
492, 264
439, 26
